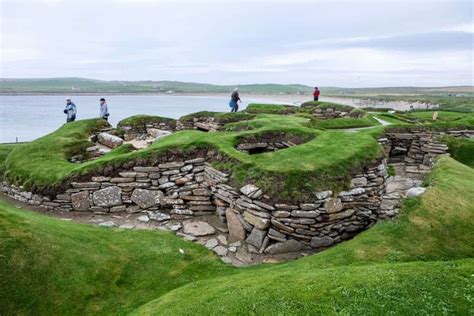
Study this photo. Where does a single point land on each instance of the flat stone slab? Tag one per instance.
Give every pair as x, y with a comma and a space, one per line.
109, 140
107, 197
146, 198
198, 228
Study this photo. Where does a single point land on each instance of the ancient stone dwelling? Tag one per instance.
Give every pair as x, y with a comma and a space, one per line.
189, 196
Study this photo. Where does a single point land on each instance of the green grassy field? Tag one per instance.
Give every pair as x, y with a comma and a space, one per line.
419, 263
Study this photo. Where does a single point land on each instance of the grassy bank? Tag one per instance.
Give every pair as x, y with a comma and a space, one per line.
419, 263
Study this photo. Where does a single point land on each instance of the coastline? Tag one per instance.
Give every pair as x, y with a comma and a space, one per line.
287, 99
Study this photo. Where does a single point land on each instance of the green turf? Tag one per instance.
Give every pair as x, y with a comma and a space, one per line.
461, 149
419, 263
142, 120
343, 122
368, 274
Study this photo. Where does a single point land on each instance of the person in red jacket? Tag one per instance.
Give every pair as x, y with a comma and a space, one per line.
316, 93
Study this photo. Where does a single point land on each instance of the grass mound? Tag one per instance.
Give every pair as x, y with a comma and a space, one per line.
419, 263
258, 108
143, 120
343, 122
325, 105
219, 117
324, 162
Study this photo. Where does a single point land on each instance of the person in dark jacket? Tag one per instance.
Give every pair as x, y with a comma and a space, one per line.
316, 94
70, 111
234, 98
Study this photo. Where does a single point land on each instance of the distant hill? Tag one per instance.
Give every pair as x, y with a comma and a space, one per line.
82, 85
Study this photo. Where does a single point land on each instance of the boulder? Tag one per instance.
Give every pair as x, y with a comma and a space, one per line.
236, 229
146, 198
256, 238
198, 228
80, 201
109, 140
284, 247
107, 197
414, 192
318, 242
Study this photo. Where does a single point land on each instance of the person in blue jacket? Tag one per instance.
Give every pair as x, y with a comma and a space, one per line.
70, 111
234, 98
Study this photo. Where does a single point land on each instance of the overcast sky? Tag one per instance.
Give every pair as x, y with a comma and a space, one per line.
328, 43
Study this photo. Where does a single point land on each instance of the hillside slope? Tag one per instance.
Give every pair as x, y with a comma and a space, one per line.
419, 263
369, 274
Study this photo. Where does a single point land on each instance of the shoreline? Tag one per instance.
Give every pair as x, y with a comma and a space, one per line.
287, 99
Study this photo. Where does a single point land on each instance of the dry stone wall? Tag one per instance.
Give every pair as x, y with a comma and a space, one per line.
186, 189
416, 147
150, 128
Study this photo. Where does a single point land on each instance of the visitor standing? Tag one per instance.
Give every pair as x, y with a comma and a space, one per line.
316, 94
234, 98
104, 111
70, 111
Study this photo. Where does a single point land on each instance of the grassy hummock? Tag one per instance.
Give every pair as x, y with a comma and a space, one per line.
419, 263
293, 173
142, 120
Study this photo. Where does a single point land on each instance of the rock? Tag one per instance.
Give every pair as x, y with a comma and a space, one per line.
222, 239
323, 195
359, 182
198, 228
119, 208
109, 140
107, 197
143, 218
232, 249
258, 222
318, 242
211, 243
220, 251
175, 227
108, 224
306, 214
157, 133
146, 198
256, 238
157, 216
249, 189
284, 247
333, 205
127, 226
236, 229
414, 192
80, 201
341, 215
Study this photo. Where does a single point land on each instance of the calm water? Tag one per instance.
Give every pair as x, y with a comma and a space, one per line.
29, 117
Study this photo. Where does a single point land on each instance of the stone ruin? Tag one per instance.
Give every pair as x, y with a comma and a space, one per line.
241, 223
269, 141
